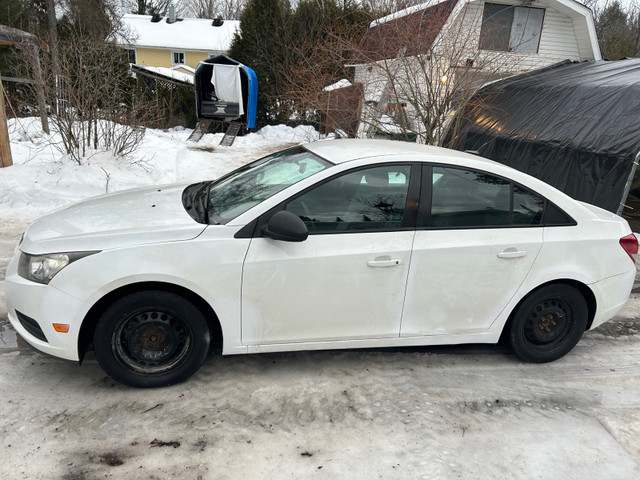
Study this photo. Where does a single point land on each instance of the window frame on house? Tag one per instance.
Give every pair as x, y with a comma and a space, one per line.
173, 57
497, 29
132, 55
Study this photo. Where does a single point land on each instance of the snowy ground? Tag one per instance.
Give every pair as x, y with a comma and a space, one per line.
446, 412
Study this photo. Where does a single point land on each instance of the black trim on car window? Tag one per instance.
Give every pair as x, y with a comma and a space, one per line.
411, 204
511, 189
552, 215
413, 197
247, 231
424, 209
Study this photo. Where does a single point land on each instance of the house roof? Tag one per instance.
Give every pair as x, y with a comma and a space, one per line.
164, 73
185, 34
413, 30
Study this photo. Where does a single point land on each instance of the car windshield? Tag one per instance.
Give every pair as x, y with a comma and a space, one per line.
237, 192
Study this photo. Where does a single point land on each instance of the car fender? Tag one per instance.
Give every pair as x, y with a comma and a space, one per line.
92, 278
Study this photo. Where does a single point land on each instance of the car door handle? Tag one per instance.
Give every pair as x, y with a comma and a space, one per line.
384, 262
512, 253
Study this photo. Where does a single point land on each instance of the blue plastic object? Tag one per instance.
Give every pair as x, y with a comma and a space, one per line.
251, 100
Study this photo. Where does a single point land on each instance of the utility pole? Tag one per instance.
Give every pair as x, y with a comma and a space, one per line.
5, 148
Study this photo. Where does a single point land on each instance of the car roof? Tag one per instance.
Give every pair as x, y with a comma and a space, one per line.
349, 149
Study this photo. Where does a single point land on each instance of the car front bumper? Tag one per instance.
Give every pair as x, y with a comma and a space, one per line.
34, 308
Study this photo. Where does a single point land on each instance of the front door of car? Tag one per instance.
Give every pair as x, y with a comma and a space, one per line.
477, 239
347, 280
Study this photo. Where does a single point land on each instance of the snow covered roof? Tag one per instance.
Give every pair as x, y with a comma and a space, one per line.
185, 34
173, 72
388, 125
339, 84
406, 11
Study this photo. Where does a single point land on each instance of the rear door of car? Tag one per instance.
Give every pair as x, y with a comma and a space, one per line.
347, 280
477, 238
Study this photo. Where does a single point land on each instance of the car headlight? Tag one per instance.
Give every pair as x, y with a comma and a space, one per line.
42, 268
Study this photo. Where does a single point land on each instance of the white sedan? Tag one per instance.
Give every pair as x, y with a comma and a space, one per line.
337, 244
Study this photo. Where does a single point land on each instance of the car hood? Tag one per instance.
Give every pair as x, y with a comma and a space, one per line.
133, 217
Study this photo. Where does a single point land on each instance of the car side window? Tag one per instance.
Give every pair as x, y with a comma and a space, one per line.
464, 198
528, 207
361, 200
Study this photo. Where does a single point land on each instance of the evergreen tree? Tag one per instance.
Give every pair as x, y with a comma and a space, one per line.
10, 16
262, 45
287, 47
29, 16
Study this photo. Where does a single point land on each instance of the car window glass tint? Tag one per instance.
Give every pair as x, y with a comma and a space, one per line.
527, 207
371, 199
254, 183
463, 198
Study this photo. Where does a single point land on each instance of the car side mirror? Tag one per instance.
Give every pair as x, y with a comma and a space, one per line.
286, 226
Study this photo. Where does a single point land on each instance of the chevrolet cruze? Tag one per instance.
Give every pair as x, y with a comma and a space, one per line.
337, 244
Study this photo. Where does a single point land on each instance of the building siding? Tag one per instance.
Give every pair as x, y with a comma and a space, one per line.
153, 57
158, 57
194, 58
459, 43
557, 41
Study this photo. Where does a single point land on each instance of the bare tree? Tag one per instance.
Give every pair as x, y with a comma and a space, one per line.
151, 7
226, 9
313, 80
413, 71
96, 105
618, 28
436, 69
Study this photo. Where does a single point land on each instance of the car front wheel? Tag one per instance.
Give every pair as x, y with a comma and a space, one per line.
548, 323
151, 339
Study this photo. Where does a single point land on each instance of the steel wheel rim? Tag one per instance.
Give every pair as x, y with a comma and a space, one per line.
548, 323
151, 341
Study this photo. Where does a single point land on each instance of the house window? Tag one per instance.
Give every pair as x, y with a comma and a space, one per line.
509, 28
131, 55
177, 57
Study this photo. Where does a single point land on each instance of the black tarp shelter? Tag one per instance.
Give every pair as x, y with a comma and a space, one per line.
575, 126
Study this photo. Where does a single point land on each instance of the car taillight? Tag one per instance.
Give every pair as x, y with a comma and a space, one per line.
630, 245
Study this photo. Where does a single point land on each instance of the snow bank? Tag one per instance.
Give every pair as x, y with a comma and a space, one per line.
43, 178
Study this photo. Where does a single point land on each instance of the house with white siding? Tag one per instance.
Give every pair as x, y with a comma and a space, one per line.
417, 64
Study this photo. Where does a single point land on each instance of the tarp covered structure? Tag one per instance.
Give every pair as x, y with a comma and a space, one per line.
226, 90
575, 126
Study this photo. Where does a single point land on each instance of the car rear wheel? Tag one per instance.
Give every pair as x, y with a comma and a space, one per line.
548, 323
151, 339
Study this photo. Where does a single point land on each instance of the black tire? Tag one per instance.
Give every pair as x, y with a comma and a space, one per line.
548, 323
151, 339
